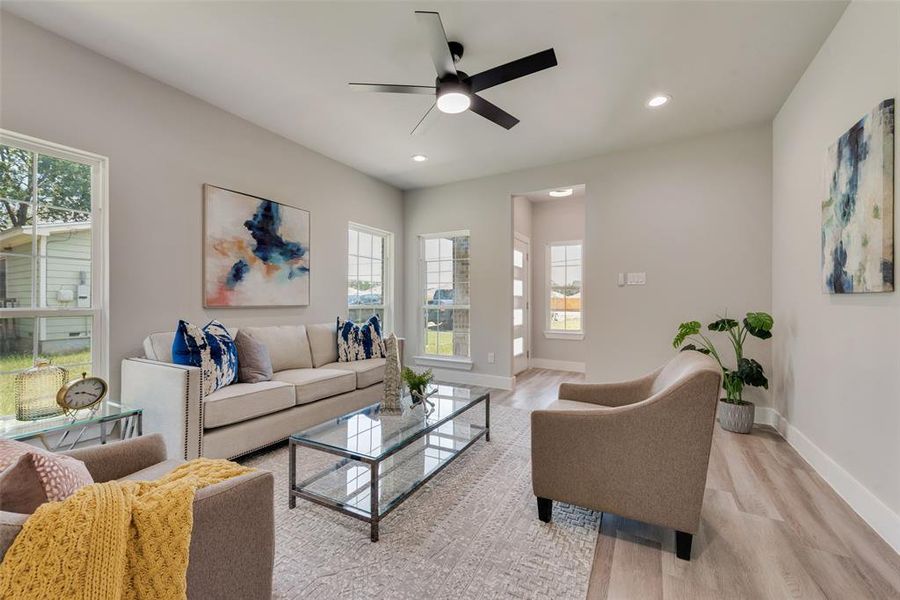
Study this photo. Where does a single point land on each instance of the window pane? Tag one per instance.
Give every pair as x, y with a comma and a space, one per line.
378, 247
365, 244
64, 184
557, 255
64, 233
573, 321
573, 254
461, 294
15, 173
65, 340
460, 343
557, 276
518, 317
573, 276
432, 249
461, 247
15, 215
518, 346
518, 259
15, 285
16, 354
354, 242
518, 288
64, 283
557, 320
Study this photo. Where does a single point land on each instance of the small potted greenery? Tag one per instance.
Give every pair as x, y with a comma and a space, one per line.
417, 384
735, 413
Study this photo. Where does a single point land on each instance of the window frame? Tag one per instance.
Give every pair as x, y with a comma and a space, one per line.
557, 334
440, 360
99, 310
387, 275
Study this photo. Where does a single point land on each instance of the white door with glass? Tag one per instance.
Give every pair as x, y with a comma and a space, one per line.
521, 305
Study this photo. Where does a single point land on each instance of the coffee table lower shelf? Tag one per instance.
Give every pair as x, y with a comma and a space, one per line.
369, 488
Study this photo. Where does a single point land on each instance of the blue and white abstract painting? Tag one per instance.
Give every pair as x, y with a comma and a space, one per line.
256, 251
858, 212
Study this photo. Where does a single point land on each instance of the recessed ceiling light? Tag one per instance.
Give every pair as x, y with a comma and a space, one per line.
419, 157
561, 193
657, 101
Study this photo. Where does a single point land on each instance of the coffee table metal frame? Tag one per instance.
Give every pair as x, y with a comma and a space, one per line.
296, 490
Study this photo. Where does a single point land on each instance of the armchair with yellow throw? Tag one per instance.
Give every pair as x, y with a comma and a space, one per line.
638, 449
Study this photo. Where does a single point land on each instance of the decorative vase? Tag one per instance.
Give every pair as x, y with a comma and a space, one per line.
736, 417
35, 391
393, 384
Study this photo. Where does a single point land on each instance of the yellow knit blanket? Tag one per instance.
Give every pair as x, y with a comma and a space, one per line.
120, 540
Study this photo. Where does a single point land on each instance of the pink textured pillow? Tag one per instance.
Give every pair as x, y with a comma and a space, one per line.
28, 473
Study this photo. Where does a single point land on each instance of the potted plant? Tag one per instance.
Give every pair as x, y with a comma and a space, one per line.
735, 413
417, 384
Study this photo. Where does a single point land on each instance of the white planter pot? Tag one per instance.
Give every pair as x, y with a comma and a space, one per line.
736, 417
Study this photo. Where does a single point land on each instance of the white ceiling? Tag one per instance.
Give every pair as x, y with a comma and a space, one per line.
285, 65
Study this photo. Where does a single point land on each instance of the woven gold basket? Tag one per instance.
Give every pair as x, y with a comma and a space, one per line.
35, 391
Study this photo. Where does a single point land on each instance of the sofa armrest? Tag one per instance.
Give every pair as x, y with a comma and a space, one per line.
115, 461
171, 397
609, 394
10, 526
233, 540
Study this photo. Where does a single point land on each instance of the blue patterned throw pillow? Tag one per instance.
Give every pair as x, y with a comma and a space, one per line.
359, 342
210, 348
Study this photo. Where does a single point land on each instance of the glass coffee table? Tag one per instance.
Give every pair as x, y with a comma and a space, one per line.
383, 458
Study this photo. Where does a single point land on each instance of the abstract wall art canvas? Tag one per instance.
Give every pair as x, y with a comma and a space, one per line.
858, 211
256, 251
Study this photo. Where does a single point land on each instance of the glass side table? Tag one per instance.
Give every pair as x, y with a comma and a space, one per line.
65, 431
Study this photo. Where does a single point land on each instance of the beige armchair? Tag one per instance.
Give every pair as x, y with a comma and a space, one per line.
638, 449
233, 539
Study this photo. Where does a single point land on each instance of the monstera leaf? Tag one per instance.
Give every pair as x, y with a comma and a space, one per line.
722, 325
695, 349
685, 330
751, 373
759, 324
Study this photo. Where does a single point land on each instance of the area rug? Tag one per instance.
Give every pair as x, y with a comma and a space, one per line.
471, 532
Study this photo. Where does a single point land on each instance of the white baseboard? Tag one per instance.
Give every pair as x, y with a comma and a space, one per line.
467, 377
873, 511
558, 365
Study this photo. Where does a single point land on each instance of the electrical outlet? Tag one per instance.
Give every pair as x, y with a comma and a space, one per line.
490, 358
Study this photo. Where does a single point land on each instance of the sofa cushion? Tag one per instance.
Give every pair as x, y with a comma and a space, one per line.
211, 348
241, 401
314, 384
287, 344
254, 364
359, 341
322, 343
30, 476
368, 372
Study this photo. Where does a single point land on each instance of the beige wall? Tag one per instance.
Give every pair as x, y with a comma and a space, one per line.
163, 145
695, 215
552, 221
836, 356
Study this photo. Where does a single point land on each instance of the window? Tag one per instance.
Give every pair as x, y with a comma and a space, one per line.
369, 274
51, 260
565, 290
444, 268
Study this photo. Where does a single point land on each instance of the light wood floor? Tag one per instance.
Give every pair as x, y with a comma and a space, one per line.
771, 528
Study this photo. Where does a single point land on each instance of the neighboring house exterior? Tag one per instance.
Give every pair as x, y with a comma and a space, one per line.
62, 278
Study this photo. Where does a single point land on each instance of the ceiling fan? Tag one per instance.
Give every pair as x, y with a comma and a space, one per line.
454, 90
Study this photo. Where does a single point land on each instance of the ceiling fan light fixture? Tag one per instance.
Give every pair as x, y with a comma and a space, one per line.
561, 193
453, 102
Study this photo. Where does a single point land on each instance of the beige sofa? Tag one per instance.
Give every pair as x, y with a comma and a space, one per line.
638, 449
309, 387
233, 536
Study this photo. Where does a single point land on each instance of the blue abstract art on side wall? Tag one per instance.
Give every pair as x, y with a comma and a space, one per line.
256, 251
858, 212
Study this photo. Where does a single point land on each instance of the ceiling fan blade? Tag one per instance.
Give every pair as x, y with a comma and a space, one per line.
438, 45
513, 70
492, 112
427, 120
393, 89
